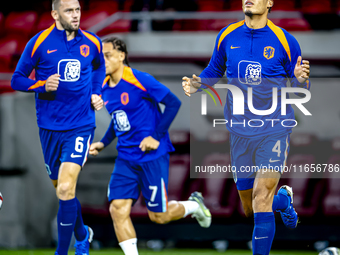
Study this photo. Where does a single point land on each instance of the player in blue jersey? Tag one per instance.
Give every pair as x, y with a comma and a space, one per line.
256, 54
69, 70
132, 98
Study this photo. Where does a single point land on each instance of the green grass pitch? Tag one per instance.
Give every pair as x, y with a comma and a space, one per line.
164, 252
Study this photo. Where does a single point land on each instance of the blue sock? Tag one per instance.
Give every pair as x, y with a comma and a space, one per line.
280, 202
79, 228
66, 219
263, 234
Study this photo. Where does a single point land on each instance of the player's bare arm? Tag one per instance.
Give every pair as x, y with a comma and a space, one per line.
191, 85
52, 83
96, 148
302, 72
97, 102
149, 143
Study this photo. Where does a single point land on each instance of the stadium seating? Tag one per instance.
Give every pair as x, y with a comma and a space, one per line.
120, 26
106, 6
208, 5
90, 18
179, 171
181, 140
219, 191
292, 24
8, 47
331, 200
44, 22
307, 189
316, 6
20, 22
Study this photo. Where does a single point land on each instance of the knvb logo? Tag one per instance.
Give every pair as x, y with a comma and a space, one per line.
239, 100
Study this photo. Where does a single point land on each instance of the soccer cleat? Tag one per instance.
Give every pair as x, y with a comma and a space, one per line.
82, 247
202, 214
288, 215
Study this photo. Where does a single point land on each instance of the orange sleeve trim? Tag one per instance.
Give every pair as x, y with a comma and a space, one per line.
281, 36
42, 38
230, 29
92, 39
37, 85
105, 80
307, 84
130, 78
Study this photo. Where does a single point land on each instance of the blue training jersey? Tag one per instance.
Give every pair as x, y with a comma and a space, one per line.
262, 59
81, 66
133, 106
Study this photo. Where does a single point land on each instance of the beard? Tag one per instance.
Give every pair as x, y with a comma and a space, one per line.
249, 13
67, 26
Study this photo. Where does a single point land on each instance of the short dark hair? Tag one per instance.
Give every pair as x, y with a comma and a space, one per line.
55, 5
120, 45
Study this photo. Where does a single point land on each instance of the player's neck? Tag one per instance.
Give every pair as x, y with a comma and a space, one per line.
70, 35
256, 21
116, 76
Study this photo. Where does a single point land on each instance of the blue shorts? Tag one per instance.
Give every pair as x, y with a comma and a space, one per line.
129, 178
65, 146
248, 155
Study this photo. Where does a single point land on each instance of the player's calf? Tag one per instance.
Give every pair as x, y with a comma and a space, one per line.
160, 218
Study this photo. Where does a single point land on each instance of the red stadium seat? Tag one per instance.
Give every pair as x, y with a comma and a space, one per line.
211, 6
2, 20
287, 5
21, 22
119, 26
218, 24
91, 18
44, 22
180, 137
179, 170
316, 6
108, 6
5, 86
331, 200
218, 186
300, 179
299, 24
8, 47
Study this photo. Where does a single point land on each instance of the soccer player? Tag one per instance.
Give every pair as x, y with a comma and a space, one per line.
256, 54
132, 98
69, 69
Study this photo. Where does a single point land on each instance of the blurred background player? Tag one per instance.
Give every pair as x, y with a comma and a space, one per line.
132, 98
69, 69
256, 53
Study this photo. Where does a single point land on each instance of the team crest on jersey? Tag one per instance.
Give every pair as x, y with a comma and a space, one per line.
124, 98
249, 72
268, 52
84, 50
69, 69
121, 120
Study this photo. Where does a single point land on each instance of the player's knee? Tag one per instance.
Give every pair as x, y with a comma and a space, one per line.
159, 218
65, 190
261, 201
119, 210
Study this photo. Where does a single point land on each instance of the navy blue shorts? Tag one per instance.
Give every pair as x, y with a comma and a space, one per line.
248, 155
129, 178
65, 146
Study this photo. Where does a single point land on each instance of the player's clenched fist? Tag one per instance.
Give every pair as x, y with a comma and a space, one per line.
149, 143
95, 148
190, 86
52, 83
97, 102
302, 72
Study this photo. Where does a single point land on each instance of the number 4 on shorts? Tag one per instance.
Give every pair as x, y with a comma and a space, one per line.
277, 148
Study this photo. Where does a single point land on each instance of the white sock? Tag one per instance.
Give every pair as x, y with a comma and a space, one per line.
129, 247
189, 206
